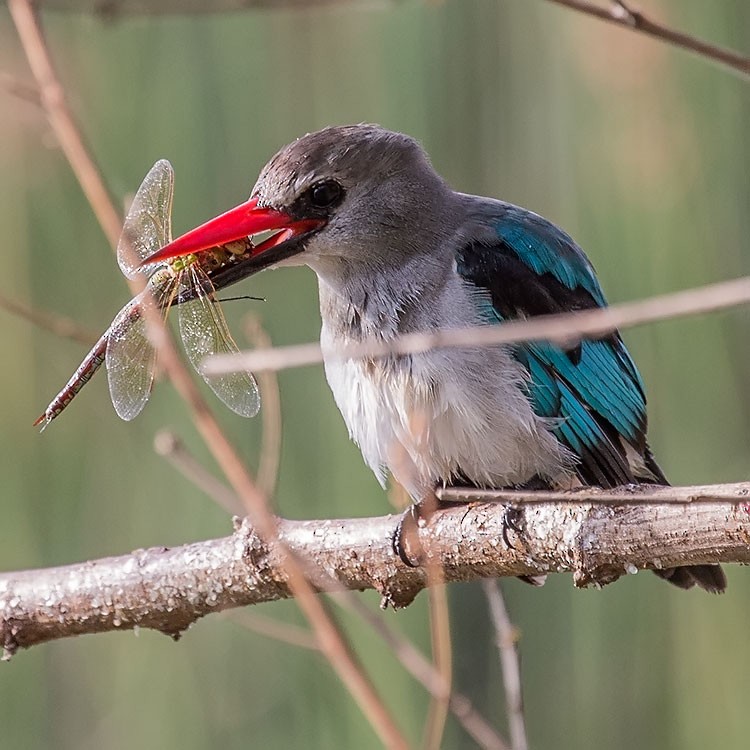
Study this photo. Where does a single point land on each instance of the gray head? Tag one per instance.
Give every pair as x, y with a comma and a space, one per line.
378, 196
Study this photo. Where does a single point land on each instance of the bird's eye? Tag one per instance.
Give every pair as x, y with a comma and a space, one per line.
325, 194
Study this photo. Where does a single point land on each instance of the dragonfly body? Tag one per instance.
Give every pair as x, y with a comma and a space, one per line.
186, 282
91, 363
97, 356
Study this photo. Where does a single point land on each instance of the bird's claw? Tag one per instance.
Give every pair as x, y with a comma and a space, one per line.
511, 519
405, 541
406, 536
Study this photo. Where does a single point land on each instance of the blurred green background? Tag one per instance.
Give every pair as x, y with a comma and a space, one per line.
638, 150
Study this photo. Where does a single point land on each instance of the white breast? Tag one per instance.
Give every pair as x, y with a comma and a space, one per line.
430, 417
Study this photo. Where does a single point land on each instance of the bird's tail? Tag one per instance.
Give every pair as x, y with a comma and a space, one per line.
710, 578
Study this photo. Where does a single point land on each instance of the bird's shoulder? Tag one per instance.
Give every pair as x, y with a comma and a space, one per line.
512, 244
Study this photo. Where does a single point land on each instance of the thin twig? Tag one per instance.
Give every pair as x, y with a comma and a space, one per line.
507, 643
57, 324
270, 449
630, 494
169, 445
271, 627
565, 329
437, 713
68, 134
422, 670
332, 642
621, 14
23, 90
440, 634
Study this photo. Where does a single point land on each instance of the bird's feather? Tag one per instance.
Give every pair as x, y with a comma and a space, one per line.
593, 391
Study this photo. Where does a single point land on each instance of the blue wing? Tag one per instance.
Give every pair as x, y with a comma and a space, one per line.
592, 391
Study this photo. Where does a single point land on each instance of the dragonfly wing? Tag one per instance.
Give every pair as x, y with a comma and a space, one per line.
204, 332
130, 356
148, 225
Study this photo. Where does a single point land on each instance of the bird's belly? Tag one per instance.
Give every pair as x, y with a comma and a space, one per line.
442, 415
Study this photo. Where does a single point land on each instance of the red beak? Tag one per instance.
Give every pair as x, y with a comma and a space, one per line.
242, 221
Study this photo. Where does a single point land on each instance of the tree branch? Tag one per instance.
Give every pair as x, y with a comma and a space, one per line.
59, 325
622, 14
507, 636
52, 96
619, 13
169, 589
564, 329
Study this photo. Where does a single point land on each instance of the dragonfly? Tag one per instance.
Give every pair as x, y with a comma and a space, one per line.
125, 348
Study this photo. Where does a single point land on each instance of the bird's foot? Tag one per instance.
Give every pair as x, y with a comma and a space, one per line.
511, 522
405, 540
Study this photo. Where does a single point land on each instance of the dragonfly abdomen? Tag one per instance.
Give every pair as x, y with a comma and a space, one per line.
91, 363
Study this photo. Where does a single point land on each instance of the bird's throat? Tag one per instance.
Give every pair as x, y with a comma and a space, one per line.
375, 307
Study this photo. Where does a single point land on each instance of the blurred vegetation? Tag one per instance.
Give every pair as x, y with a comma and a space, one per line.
638, 150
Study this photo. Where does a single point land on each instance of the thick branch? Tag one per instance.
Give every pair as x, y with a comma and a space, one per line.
169, 589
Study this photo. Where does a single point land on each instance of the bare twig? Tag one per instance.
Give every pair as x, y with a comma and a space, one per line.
271, 627
507, 640
115, 9
566, 329
422, 670
172, 448
441, 657
61, 119
622, 14
57, 324
23, 90
630, 494
331, 640
169, 589
169, 445
270, 449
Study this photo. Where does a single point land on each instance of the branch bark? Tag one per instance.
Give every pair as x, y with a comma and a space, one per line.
169, 589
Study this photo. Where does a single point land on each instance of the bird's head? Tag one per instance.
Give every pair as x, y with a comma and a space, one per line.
341, 197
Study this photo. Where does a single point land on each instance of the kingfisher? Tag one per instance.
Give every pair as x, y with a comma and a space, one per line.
396, 250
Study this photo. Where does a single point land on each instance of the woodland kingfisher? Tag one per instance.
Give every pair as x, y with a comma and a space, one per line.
396, 250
